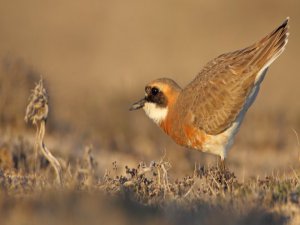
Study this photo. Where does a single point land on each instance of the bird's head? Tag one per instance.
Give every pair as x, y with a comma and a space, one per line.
160, 96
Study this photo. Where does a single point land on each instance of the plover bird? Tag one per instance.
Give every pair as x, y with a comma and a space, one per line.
207, 113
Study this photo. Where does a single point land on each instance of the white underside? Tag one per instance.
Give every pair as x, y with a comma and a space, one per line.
156, 113
221, 143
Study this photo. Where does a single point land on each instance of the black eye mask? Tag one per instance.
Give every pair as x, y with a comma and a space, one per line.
156, 96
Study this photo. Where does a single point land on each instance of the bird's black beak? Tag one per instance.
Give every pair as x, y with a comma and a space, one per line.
138, 105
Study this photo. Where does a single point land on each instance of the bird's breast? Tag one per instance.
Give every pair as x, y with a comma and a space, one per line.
183, 132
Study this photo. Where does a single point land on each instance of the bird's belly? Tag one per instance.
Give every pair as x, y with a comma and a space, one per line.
214, 144
195, 138
220, 144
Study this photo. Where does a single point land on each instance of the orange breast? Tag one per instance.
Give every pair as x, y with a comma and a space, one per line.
183, 133
194, 137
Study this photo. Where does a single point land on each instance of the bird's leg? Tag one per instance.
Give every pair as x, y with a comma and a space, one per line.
222, 164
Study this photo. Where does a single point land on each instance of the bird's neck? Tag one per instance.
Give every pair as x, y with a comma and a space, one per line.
167, 124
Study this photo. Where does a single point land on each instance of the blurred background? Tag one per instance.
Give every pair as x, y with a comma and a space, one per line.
96, 57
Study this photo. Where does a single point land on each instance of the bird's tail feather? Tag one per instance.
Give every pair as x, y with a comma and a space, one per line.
270, 47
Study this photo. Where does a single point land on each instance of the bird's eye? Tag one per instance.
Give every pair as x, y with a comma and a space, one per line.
154, 91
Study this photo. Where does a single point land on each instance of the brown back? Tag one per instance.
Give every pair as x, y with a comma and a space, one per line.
217, 95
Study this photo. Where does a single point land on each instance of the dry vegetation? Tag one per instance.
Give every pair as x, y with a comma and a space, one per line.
83, 158
144, 193
70, 188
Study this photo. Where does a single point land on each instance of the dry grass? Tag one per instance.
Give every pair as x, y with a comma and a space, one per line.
144, 193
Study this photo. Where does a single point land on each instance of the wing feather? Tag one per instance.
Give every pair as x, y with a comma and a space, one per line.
217, 95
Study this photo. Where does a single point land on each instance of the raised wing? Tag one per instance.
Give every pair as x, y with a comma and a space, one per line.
214, 99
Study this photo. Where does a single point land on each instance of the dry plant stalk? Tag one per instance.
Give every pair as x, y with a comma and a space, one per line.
37, 113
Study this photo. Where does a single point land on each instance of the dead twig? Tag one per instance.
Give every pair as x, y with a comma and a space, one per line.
296, 133
37, 113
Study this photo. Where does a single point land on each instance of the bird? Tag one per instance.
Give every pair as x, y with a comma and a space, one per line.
206, 114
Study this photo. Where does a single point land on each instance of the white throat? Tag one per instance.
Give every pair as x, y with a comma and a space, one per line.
157, 114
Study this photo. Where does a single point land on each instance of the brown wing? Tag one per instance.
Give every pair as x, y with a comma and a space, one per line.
216, 96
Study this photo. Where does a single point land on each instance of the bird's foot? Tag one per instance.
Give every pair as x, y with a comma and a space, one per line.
222, 165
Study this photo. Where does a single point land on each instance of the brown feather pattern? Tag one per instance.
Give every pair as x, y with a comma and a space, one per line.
217, 95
